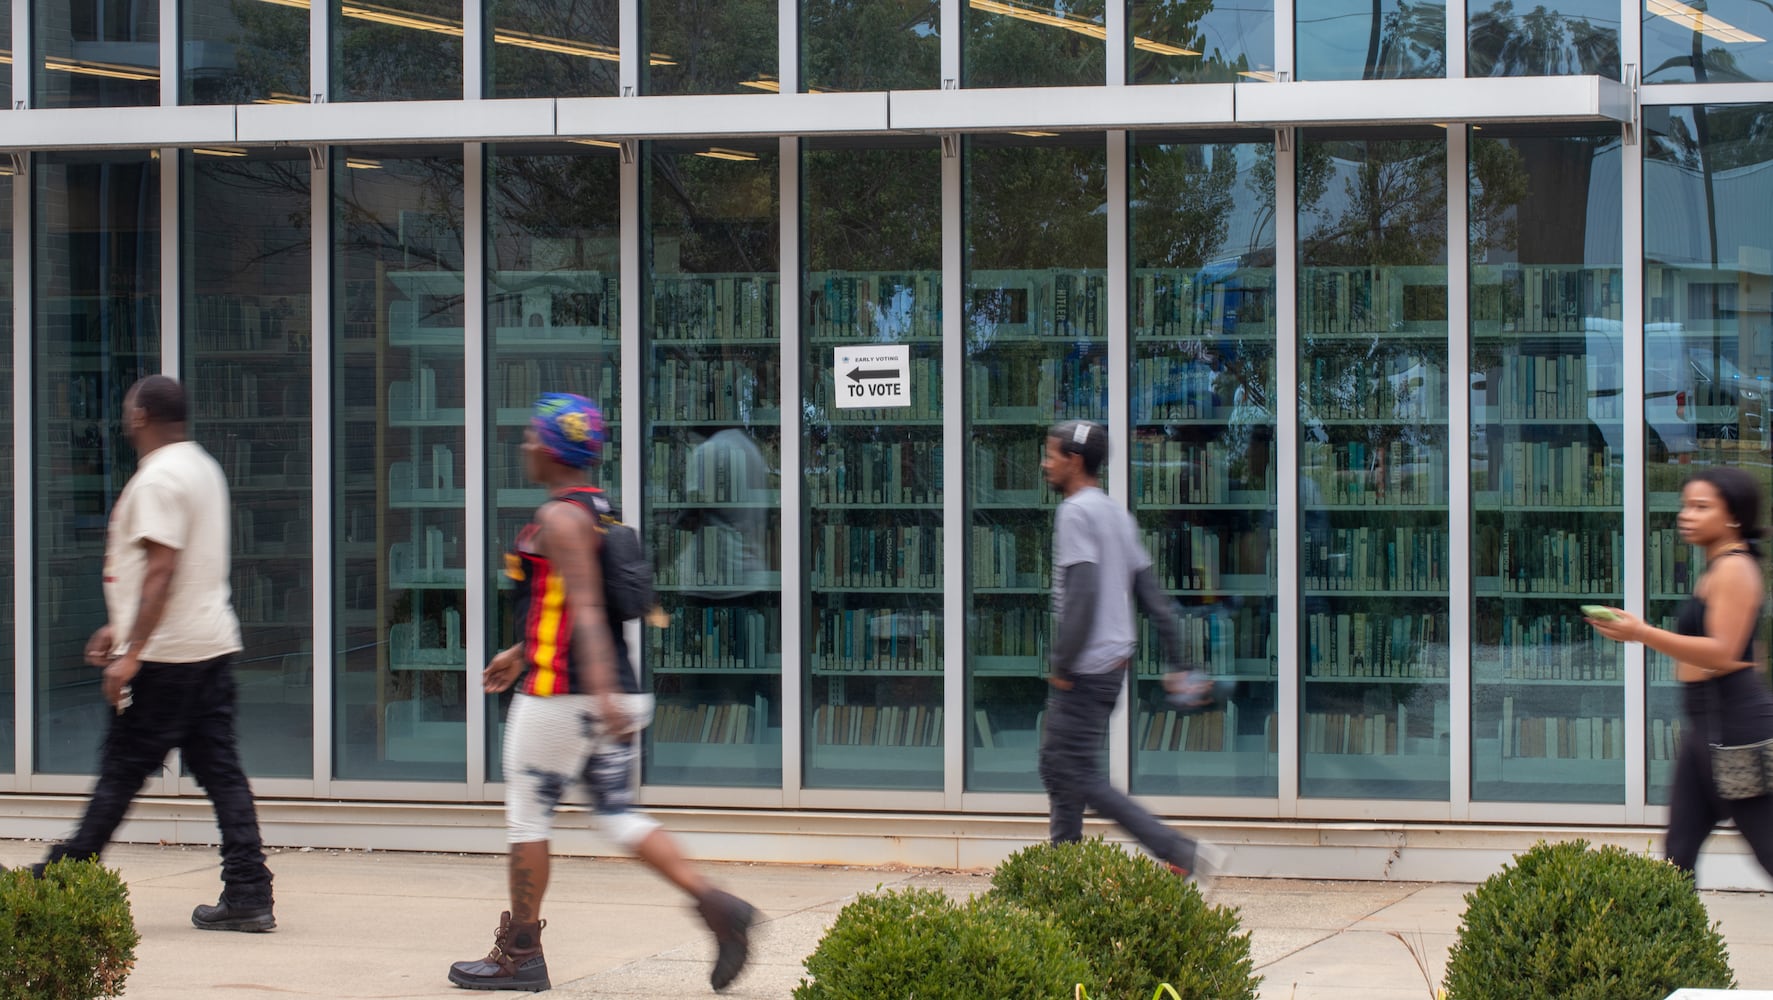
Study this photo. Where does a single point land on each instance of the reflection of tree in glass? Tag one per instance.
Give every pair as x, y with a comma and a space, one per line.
270, 44
1412, 44
515, 70
1393, 209
709, 46
373, 61
870, 44
550, 197
721, 212
1541, 43
1037, 206
873, 210
1179, 23
1005, 51
1183, 204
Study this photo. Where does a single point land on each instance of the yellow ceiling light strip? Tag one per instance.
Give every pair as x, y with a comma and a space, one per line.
6, 56
362, 163
1160, 48
601, 143
717, 153
1265, 75
1694, 19
378, 14
113, 71
218, 151
1025, 12
278, 97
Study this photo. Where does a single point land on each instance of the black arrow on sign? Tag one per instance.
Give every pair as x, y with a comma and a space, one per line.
858, 375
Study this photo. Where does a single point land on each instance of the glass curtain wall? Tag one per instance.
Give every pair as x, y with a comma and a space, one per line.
94, 54
399, 496
1578, 37
709, 46
1373, 402
1204, 484
243, 52
1708, 350
396, 50
712, 507
1035, 314
1547, 441
1034, 43
873, 553
6, 47
8, 659
543, 48
553, 322
1721, 41
248, 331
1371, 39
97, 331
1187, 41
870, 45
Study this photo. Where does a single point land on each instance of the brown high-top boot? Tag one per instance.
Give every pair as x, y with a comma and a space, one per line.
730, 918
515, 962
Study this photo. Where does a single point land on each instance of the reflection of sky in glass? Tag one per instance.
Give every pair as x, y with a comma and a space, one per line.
1332, 37
1744, 54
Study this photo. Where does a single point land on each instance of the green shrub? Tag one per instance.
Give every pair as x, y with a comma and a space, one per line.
66, 936
1572, 923
918, 944
1136, 922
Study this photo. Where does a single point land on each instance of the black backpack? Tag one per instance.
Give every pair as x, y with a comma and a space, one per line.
627, 565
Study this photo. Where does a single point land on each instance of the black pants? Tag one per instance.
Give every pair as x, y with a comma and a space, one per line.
1733, 709
189, 706
1072, 770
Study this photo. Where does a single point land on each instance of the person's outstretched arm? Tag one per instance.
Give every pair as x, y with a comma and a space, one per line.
1162, 611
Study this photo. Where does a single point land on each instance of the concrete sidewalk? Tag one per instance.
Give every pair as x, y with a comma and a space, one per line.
386, 925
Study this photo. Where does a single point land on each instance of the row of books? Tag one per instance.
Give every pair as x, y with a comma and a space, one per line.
1380, 644
1208, 732
1665, 738
1546, 647
1542, 560
1374, 734
746, 390
238, 323
1171, 471
591, 305
1038, 389
506, 472
1538, 298
874, 307
716, 638
741, 554
1672, 562
80, 397
1185, 304
270, 599
1391, 386
231, 391
1020, 630
1012, 556
877, 726
432, 476
1540, 473
703, 307
1219, 640
280, 531
901, 472
1207, 558
1547, 387
1399, 557
1362, 474
520, 381
732, 465
877, 640
1370, 299
417, 398
731, 722
1007, 470
877, 556
1054, 303
1557, 737
1190, 387
923, 400
271, 455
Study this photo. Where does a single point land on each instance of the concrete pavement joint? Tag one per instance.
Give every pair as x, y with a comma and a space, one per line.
1328, 934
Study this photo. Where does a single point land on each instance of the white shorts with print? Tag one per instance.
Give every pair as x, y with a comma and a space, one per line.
551, 743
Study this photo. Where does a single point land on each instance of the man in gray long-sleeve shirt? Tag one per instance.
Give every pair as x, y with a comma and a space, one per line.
1099, 567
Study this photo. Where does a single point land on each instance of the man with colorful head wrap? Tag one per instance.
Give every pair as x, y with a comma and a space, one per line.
577, 709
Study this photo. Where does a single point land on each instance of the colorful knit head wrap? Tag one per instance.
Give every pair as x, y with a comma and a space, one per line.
570, 427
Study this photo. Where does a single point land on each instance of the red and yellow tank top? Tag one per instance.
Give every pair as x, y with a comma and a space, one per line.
545, 617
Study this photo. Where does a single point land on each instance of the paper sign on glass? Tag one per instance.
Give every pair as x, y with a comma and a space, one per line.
872, 375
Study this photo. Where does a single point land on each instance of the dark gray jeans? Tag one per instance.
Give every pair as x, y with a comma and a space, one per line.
1072, 769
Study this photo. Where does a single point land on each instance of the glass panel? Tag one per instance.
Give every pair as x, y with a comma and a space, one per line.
1547, 438
1373, 466
397, 50
398, 443
243, 52
713, 499
1187, 41
1036, 313
553, 303
870, 45
1579, 37
248, 331
94, 54
1034, 43
1708, 349
709, 48
542, 48
873, 501
1727, 44
6, 47
7, 659
1371, 39
1204, 478
97, 318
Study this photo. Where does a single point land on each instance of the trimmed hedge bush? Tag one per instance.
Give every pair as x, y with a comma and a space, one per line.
1573, 923
918, 944
66, 936
1137, 923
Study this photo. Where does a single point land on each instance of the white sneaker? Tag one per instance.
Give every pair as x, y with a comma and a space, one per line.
1209, 860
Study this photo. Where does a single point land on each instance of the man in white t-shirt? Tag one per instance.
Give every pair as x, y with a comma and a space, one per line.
165, 651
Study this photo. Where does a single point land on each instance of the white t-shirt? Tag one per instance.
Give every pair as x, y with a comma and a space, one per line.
1091, 528
178, 497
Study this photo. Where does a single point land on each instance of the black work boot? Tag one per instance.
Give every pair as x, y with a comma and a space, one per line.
235, 911
515, 962
730, 918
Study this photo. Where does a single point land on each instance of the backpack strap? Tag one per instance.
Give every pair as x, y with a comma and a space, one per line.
593, 500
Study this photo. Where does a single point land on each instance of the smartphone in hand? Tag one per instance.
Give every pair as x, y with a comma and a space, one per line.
1598, 613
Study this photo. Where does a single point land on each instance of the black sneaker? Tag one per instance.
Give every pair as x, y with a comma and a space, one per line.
510, 965
730, 918
230, 916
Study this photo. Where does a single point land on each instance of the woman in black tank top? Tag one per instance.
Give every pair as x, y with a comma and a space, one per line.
1724, 693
